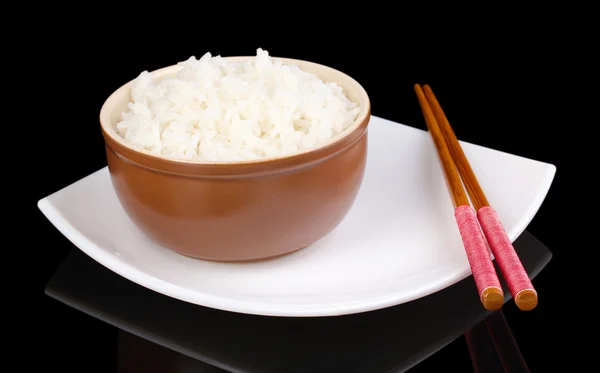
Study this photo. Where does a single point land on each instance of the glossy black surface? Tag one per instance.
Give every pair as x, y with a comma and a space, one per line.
389, 340
501, 88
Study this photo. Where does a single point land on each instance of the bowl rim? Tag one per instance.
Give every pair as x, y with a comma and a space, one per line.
116, 144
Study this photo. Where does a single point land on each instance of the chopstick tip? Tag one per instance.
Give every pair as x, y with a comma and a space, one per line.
492, 298
419, 91
526, 299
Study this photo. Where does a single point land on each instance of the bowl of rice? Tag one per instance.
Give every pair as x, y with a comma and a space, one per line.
237, 159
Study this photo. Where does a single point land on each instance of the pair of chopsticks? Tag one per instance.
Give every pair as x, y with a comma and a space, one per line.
478, 225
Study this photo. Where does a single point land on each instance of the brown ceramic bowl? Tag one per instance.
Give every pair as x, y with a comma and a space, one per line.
240, 211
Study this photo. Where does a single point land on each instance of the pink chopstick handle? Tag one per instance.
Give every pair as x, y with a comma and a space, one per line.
512, 270
478, 255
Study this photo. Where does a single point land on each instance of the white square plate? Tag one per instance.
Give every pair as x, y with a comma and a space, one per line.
398, 243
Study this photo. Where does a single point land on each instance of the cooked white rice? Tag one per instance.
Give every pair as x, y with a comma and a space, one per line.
219, 110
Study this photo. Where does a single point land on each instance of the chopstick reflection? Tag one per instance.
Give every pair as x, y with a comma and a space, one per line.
493, 348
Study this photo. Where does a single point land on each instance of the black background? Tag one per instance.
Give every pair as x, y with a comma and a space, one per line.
490, 88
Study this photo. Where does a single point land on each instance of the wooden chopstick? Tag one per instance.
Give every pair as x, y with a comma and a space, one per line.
512, 270
484, 273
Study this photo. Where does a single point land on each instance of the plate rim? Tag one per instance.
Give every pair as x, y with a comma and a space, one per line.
244, 306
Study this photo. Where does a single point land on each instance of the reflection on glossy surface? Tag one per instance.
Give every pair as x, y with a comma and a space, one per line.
493, 348
482, 351
505, 344
389, 340
137, 355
